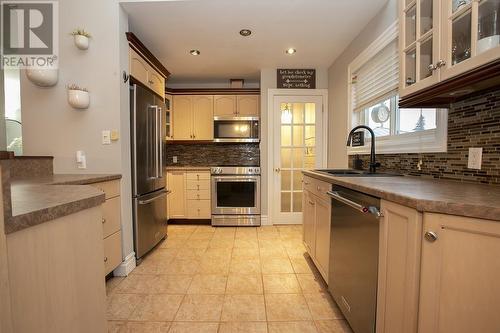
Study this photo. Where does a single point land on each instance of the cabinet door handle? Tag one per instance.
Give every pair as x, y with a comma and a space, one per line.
105, 259
103, 220
312, 203
151, 81
430, 236
440, 63
432, 67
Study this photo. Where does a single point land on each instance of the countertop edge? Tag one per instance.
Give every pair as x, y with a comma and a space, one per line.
90, 180
40, 216
421, 205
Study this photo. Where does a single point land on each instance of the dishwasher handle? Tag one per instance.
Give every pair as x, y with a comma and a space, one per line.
363, 209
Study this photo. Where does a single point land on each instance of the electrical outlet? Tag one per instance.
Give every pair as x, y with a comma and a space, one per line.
475, 158
174, 159
106, 137
81, 160
115, 135
419, 165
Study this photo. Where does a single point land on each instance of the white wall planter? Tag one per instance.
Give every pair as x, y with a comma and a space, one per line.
79, 99
81, 42
43, 77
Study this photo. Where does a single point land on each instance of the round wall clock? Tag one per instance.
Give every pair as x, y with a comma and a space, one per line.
380, 114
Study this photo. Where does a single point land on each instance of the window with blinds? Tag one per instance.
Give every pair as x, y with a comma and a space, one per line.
375, 79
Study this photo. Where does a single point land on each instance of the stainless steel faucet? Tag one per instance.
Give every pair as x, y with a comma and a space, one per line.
373, 164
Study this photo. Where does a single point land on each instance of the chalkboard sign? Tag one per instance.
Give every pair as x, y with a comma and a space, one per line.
296, 78
358, 139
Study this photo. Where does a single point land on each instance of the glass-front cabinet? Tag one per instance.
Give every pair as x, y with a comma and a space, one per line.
471, 34
419, 42
440, 39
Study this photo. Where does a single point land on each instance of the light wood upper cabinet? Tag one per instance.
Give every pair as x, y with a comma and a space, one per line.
236, 105
460, 289
193, 117
399, 268
225, 105
440, 39
203, 117
143, 72
248, 105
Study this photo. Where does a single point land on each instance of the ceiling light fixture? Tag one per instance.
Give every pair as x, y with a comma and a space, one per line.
194, 52
245, 32
290, 51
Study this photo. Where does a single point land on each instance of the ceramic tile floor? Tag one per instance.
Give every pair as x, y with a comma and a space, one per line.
204, 280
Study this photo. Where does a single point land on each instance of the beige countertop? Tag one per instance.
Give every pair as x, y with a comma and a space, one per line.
36, 200
426, 195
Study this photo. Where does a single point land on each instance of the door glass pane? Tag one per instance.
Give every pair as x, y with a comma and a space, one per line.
286, 180
310, 136
425, 16
410, 66
286, 135
286, 113
459, 4
298, 158
298, 135
285, 202
425, 59
310, 113
297, 202
410, 26
489, 25
286, 157
309, 159
461, 38
297, 180
298, 113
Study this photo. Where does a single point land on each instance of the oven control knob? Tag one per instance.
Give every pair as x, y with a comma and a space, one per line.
218, 170
250, 170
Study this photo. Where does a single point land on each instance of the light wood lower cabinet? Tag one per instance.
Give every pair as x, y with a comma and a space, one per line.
316, 224
190, 194
111, 224
460, 280
399, 268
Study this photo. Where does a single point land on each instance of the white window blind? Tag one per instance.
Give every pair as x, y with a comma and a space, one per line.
376, 78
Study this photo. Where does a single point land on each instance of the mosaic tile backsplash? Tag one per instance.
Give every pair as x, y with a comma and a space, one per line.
213, 154
473, 122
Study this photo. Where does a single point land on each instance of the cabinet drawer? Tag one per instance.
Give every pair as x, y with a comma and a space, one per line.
199, 175
198, 195
197, 184
317, 187
198, 209
111, 188
110, 216
112, 252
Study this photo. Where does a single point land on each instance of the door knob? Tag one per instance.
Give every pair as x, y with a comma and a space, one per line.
277, 170
430, 236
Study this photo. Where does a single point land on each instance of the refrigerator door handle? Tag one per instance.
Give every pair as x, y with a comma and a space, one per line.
161, 194
155, 107
160, 142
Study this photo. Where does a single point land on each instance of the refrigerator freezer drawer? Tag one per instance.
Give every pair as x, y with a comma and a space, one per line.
150, 221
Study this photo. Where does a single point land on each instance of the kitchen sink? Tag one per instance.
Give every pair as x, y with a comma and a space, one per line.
355, 173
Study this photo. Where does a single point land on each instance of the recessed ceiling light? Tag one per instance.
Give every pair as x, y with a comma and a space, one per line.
290, 51
194, 52
245, 32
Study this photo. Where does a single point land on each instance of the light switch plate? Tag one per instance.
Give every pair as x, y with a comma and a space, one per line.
106, 137
475, 158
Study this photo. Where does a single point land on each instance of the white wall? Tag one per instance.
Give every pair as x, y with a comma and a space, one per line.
268, 81
52, 127
338, 87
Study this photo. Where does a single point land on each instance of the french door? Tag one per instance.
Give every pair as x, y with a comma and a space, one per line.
297, 145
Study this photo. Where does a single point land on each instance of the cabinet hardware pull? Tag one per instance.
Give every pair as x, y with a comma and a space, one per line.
311, 203
441, 63
431, 236
105, 259
432, 67
103, 220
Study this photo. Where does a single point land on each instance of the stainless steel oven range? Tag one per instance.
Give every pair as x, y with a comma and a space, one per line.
235, 196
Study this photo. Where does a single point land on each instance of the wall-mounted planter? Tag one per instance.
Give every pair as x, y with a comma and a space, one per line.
43, 77
78, 99
81, 42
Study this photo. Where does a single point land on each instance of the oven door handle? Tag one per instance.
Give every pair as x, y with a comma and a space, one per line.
236, 179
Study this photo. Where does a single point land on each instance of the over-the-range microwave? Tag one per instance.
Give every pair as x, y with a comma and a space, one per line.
236, 129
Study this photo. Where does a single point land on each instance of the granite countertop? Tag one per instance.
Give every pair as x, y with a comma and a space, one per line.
426, 195
36, 200
202, 168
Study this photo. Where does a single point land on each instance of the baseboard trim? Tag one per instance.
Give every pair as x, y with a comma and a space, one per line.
264, 220
127, 266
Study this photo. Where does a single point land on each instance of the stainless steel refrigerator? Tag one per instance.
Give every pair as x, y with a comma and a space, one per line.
148, 179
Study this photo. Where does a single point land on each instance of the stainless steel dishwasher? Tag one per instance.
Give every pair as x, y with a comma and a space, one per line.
353, 269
